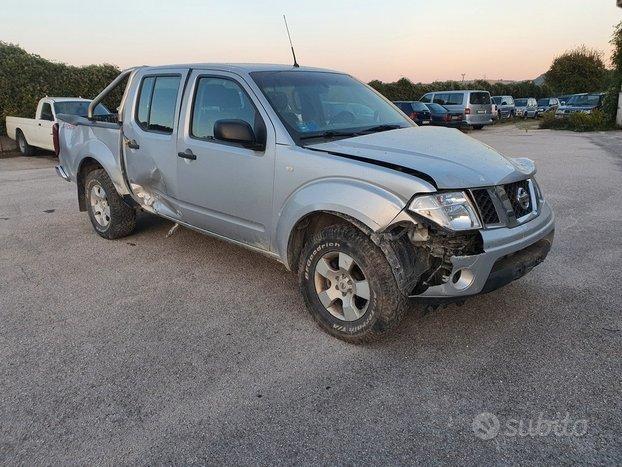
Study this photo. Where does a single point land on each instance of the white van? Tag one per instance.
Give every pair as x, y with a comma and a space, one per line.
476, 105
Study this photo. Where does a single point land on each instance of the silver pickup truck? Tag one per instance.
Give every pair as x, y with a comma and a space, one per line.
318, 171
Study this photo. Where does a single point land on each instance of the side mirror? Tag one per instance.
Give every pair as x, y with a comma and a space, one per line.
237, 131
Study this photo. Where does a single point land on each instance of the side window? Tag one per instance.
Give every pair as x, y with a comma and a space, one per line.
157, 102
46, 112
455, 99
427, 98
441, 98
217, 99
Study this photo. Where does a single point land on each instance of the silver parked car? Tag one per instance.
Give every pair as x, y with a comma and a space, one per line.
526, 107
505, 104
318, 171
475, 105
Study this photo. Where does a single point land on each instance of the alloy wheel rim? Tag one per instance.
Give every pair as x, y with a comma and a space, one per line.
341, 286
99, 205
22, 144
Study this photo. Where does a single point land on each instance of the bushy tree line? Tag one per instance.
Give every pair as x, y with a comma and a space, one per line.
610, 104
25, 78
406, 90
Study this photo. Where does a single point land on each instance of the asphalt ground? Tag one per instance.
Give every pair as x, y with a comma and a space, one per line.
187, 349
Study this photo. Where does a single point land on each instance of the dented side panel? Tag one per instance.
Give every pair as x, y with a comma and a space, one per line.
150, 155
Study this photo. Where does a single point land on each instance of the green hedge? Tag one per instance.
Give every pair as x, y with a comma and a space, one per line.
25, 78
578, 121
406, 90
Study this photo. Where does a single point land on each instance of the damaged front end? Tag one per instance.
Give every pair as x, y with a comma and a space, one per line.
421, 255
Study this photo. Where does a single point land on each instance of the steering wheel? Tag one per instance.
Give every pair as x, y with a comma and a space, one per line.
343, 117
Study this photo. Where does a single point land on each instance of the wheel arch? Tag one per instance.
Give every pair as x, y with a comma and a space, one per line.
368, 207
87, 165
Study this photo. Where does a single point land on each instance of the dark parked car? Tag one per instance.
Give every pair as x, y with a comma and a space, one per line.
547, 104
585, 103
417, 111
441, 116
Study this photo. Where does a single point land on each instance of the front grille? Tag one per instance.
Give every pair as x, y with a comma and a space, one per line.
501, 205
512, 190
486, 206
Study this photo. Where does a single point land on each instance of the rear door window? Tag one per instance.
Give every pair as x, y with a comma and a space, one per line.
479, 98
157, 102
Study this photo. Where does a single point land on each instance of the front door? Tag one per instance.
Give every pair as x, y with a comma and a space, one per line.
43, 128
225, 188
150, 138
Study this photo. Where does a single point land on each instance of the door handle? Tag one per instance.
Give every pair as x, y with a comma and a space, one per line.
187, 155
132, 144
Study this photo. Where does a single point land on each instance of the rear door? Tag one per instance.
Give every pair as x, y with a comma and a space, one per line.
225, 188
480, 105
150, 141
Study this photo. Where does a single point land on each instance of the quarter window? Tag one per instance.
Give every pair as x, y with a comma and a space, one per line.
455, 99
221, 99
157, 103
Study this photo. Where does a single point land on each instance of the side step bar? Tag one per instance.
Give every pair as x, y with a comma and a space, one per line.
61, 173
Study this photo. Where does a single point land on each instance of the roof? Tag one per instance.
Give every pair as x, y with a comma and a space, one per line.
66, 99
241, 67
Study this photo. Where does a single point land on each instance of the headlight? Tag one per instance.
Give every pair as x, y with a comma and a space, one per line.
453, 210
588, 111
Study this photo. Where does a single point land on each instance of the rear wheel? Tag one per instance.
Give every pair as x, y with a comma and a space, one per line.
110, 215
478, 127
348, 285
25, 148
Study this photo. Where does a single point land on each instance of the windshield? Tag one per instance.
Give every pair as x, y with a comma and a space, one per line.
520, 102
78, 108
437, 108
584, 100
544, 101
322, 104
497, 100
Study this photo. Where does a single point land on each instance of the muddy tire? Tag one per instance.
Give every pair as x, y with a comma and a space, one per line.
478, 127
348, 285
23, 146
110, 215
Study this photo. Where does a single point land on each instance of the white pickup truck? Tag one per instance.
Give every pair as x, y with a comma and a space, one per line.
30, 133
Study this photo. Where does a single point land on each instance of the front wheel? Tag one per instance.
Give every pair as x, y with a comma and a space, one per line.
348, 285
110, 215
478, 127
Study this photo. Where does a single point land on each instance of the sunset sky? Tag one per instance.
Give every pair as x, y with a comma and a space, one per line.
421, 40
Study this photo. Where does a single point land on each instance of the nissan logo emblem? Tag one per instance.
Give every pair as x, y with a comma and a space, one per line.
522, 198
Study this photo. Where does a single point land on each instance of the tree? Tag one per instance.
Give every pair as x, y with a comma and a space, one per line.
610, 103
578, 70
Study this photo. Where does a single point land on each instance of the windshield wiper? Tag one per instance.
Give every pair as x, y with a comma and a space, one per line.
330, 134
376, 129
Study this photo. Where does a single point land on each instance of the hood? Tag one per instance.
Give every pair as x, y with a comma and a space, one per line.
448, 156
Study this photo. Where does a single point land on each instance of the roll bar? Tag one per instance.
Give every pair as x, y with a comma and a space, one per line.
100, 97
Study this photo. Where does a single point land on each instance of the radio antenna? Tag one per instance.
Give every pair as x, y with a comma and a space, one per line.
290, 42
